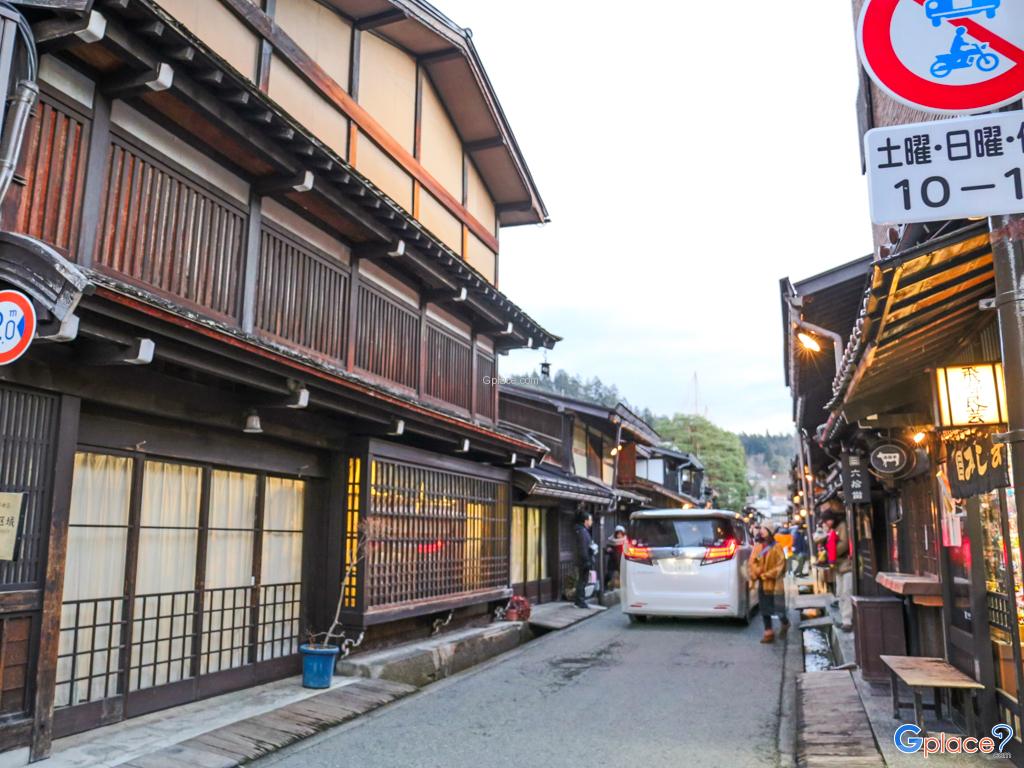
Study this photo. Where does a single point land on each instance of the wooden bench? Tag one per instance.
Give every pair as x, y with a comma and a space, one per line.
919, 672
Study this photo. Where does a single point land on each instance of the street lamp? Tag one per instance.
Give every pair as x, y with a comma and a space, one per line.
806, 333
809, 342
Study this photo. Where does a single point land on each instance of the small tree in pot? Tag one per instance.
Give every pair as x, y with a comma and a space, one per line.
319, 653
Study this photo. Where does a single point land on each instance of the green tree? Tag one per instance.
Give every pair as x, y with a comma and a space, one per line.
719, 450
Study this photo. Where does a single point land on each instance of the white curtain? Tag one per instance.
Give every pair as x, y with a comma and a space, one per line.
532, 544
281, 571
518, 568
94, 569
228, 569
165, 576
543, 543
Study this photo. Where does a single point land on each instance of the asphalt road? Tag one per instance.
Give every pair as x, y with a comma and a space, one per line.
602, 693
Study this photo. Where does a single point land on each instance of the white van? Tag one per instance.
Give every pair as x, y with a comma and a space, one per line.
686, 562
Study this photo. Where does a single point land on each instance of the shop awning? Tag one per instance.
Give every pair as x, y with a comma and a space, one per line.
547, 481
920, 307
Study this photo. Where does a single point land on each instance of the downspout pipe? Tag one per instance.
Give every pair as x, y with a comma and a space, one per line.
19, 105
19, 111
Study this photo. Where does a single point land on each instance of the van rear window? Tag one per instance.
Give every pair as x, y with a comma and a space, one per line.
680, 532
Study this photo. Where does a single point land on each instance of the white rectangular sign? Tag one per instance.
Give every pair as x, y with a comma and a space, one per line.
10, 523
946, 169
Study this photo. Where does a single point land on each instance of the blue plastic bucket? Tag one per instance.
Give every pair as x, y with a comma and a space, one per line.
318, 665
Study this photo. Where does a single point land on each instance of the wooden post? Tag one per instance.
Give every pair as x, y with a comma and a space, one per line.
203, 535
257, 569
266, 51
53, 585
421, 379
95, 177
474, 378
353, 314
253, 244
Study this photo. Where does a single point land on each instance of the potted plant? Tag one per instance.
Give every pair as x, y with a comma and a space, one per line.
518, 609
319, 654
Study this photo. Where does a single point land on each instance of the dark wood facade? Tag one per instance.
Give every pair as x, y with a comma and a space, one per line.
353, 344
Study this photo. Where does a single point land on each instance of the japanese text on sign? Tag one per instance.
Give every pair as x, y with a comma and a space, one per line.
10, 519
970, 166
976, 465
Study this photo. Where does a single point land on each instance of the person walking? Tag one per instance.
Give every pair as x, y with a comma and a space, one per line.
837, 547
613, 549
584, 558
800, 551
767, 568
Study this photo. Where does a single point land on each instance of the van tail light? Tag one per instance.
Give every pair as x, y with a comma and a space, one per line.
721, 553
638, 554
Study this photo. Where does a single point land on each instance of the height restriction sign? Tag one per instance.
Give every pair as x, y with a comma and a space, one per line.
17, 325
945, 56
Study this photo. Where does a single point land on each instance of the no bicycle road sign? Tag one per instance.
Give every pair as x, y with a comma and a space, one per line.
945, 56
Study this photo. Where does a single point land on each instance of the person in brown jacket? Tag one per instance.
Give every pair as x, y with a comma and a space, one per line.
767, 569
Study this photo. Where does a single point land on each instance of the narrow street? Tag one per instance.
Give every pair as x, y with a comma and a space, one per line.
602, 693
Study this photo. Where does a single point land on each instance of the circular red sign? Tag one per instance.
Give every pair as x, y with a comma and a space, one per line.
879, 56
17, 325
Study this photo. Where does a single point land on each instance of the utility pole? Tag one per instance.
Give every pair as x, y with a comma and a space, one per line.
1007, 236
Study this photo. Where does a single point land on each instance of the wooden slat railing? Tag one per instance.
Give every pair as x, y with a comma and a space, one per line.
387, 338
45, 200
449, 362
164, 230
301, 295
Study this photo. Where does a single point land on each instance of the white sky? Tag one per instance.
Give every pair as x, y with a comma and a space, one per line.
690, 154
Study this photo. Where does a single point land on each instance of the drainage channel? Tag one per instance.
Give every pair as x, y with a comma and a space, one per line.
818, 655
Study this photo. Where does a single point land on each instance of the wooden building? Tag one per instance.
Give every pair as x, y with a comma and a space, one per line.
940, 535
578, 474
262, 242
886, 334
671, 479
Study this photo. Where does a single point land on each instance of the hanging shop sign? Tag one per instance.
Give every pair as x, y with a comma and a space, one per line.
833, 483
950, 169
891, 460
17, 325
971, 395
856, 479
975, 464
11, 505
945, 56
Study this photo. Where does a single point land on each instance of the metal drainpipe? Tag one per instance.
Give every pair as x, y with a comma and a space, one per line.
14, 132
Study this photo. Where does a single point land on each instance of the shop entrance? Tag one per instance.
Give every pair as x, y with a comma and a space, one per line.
182, 581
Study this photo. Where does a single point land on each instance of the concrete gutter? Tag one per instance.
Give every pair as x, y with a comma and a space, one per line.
427, 661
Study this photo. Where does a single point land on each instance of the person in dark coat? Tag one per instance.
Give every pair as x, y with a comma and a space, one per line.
800, 551
584, 558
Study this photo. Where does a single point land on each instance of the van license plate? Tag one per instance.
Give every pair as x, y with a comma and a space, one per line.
679, 565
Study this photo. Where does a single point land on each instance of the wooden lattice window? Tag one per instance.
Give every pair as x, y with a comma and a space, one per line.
437, 533
352, 529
